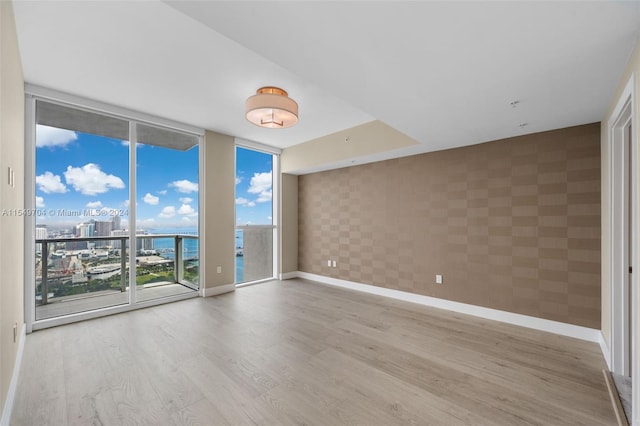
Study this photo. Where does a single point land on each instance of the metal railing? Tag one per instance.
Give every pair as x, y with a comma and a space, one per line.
80, 247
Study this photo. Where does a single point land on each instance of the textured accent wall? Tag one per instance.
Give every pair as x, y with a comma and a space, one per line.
512, 224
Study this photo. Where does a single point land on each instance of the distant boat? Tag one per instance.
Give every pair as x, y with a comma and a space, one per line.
239, 252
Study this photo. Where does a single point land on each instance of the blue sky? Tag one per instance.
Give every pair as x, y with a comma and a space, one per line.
253, 187
78, 172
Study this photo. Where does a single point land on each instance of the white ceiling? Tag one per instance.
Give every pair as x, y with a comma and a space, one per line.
443, 73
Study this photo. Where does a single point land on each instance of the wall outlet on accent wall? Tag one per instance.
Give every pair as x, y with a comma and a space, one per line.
219, 269
329, 263
438, 279
335, 264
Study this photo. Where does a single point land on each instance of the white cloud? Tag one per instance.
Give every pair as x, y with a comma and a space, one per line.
50, 183
269, 218
265, 196
150, 199
125, 203
168, 212
39, 202
163, 192
185, 200
187, 221
184, 186
238, 179
94, 205
90, 180
261, 184
53, 137
186, 209
244, 202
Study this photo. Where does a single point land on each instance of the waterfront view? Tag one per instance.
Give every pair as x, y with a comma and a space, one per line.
71, 268
82, 201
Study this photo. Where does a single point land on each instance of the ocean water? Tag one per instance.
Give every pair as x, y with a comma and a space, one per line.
190, 246
239, 269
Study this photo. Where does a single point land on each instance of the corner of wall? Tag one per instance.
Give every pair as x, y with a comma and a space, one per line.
288, 224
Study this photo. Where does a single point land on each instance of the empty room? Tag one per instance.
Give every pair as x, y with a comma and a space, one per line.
353, 212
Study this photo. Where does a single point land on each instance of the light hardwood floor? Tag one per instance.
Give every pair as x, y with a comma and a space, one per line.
294, 352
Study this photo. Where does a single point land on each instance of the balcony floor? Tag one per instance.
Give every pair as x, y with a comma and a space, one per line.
102, 299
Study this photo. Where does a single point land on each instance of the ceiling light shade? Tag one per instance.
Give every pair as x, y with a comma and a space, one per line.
271, 107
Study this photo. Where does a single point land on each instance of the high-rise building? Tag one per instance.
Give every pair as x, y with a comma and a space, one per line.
115, 220
85, 229
42, 233
103, 228
141, 243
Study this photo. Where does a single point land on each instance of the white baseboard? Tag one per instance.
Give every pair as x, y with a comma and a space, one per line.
288, 275
570, 330
11, 394
214, 291
606, 352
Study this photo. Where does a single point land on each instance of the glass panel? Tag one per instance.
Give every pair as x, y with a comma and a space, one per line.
166, 212
82, 175
257, 254
254, 215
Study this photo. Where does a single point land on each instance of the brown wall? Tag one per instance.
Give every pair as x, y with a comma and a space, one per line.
218, 209
511, 224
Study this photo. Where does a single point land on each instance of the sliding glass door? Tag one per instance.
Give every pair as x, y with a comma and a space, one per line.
89, 252
167, 213
81, 187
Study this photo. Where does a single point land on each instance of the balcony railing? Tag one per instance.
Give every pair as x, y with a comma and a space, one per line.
89, 266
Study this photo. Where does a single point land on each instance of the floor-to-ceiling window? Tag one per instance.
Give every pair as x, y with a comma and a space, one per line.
81, 187
255, 224
115, 223
167, 212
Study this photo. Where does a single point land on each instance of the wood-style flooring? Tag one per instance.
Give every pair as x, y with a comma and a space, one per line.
295, 352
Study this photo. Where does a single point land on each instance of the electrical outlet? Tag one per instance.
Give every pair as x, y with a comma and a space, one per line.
438, 279
335, 264
329, 263
219, 269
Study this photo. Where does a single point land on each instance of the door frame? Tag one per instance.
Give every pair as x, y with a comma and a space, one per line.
623, 350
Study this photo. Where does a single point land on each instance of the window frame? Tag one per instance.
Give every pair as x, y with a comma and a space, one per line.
35, 93
275, 205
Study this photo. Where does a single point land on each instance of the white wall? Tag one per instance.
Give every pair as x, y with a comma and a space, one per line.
11, 197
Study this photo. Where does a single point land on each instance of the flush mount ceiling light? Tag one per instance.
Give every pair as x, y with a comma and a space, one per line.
272, 107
